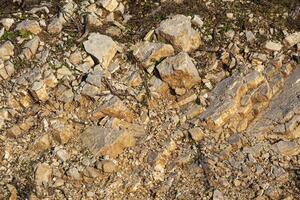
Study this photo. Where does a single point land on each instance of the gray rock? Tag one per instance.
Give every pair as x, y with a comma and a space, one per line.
6, 50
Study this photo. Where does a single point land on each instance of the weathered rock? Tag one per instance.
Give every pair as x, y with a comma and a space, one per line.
179, 32
109, 5
55, 26
164, 156
76, 58
62, 154
29, 25
158, 88
43, 174
62, 133
110, 142
273, 46
6, 50
102, 47
109, 166
38, 90
197, 21
7, 22
43, 143
196, 133
115, 108
30, 48
292, 39
14, 131
179, 71
287, 148
148, 53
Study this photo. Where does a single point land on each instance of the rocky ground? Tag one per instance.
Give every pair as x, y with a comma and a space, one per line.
150, 99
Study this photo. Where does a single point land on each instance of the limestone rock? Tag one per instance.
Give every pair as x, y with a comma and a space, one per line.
43, 174
110, 142
196, 133
38, 90
42, 143
292, 39
14, 131
55, 26
287, 148
116, 108
179, 32
109, 5
102, 47
62, 133
90, 90
6, 50
7, 22
29, 25
158, 88
148, 53
273, 46
109, 166
30, 48
179, 71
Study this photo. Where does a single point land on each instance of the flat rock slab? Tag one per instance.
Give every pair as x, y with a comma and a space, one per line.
107, 142
179, 32
102, 47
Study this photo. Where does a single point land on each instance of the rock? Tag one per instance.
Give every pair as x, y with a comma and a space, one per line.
196, 133
90, 90
273, 46
6, 50
287, 148
102, 47
292, 39
43, 143
76, 58
7, 22
158, 88
30, 26
250, 37
110, 142
218, 195
197, 21
74, 173
148, 53
14, 131
30, 48
109, 5
179, 32
179, 71
55, 26
116, 108
43, 174
163, 157
109, 166
38, 90
62, 133
62, 155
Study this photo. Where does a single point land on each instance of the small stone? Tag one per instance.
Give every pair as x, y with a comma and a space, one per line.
75, 58
14, 132
196, 133
110, 142
292, 39
179, 71
109, 166
287, 148
149, 53
74, 173
90, 90
30, 48
273, 46
62, 155
43, 143
62, 133
6, 50
197, 21
7, 22
179, 32
29, 25
109, 5
218, 195
116, 108
249, 36
43, 174
55, 26
102, 47
38, 90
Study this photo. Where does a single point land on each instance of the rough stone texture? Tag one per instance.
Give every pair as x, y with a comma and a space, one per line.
102, 47
30, 48
292, 39
109, 5
102, 141
149, 53
38, 90
179, 71
179, 32
29, 25
43, 174
6, 50
115, 108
